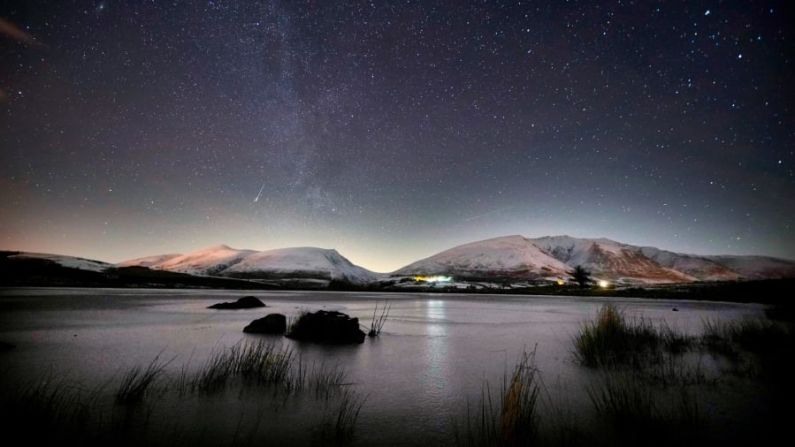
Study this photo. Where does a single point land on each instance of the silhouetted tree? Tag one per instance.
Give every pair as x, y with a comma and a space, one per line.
581, 276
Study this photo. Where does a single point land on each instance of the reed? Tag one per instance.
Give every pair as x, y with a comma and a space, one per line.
293, 320
325, 380
379, 319
613, 340
509, 418
51, 410
214, 374
267, 365
347, 414
263, 363
138, 380
755, 335
639, 414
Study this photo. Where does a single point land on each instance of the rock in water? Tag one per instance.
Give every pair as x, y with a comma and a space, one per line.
247, 302
269, 324
329, 327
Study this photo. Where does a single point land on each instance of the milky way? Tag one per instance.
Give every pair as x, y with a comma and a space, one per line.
391, 130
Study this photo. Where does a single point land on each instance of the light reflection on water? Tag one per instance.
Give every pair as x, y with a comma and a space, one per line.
436, 347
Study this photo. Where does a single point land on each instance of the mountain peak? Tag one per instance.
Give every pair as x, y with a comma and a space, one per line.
505, 257
281, 263
513, 238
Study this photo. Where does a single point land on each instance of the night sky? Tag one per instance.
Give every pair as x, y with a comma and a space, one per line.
392, 130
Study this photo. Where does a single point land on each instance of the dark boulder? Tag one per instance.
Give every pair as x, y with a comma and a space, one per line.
329, 327
270, 324
247, 302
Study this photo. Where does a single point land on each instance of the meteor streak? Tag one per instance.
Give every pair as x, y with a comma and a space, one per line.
256, 199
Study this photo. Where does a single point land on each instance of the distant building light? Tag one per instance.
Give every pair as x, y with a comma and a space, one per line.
434, 278
604, 283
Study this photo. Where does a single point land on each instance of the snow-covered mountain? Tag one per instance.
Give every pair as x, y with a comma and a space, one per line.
64, 261
284, 263
757, 267
498, 259
701, 268
210, 261
555, 256
309, 261
608, 259
502, 257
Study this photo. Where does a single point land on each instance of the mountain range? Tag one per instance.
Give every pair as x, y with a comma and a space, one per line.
552, 257
509, 258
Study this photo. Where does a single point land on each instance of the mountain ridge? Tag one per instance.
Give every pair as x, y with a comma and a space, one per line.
513, 258
604, 258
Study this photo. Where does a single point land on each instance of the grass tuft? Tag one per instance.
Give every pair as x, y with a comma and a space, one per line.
509, 419
347, 413
612, 339
325, 380
519, 418
755, 346
137, 382
638, 413
49, 410
265, 364
755, 335
215, 373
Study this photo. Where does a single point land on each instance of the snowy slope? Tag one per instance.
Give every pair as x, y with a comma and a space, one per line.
209, 261
66, 261
576, 251
509, 256
298, 262
608, 259
699, 267
148, 261
757, 267
308, 261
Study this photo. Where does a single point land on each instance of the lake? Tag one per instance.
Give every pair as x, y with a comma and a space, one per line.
432, 359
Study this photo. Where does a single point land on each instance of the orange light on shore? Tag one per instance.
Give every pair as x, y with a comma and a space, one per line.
433, 278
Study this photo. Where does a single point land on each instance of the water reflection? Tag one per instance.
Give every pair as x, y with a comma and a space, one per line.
435, 310
436, 315
435, 377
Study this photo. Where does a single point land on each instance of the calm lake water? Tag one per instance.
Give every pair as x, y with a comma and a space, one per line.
433, 356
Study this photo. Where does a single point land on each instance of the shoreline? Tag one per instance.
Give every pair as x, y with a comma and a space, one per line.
775, 292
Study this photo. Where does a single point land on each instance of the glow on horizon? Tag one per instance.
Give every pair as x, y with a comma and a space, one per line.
378, 253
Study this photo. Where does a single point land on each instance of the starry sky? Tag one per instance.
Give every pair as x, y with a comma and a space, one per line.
391, 130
